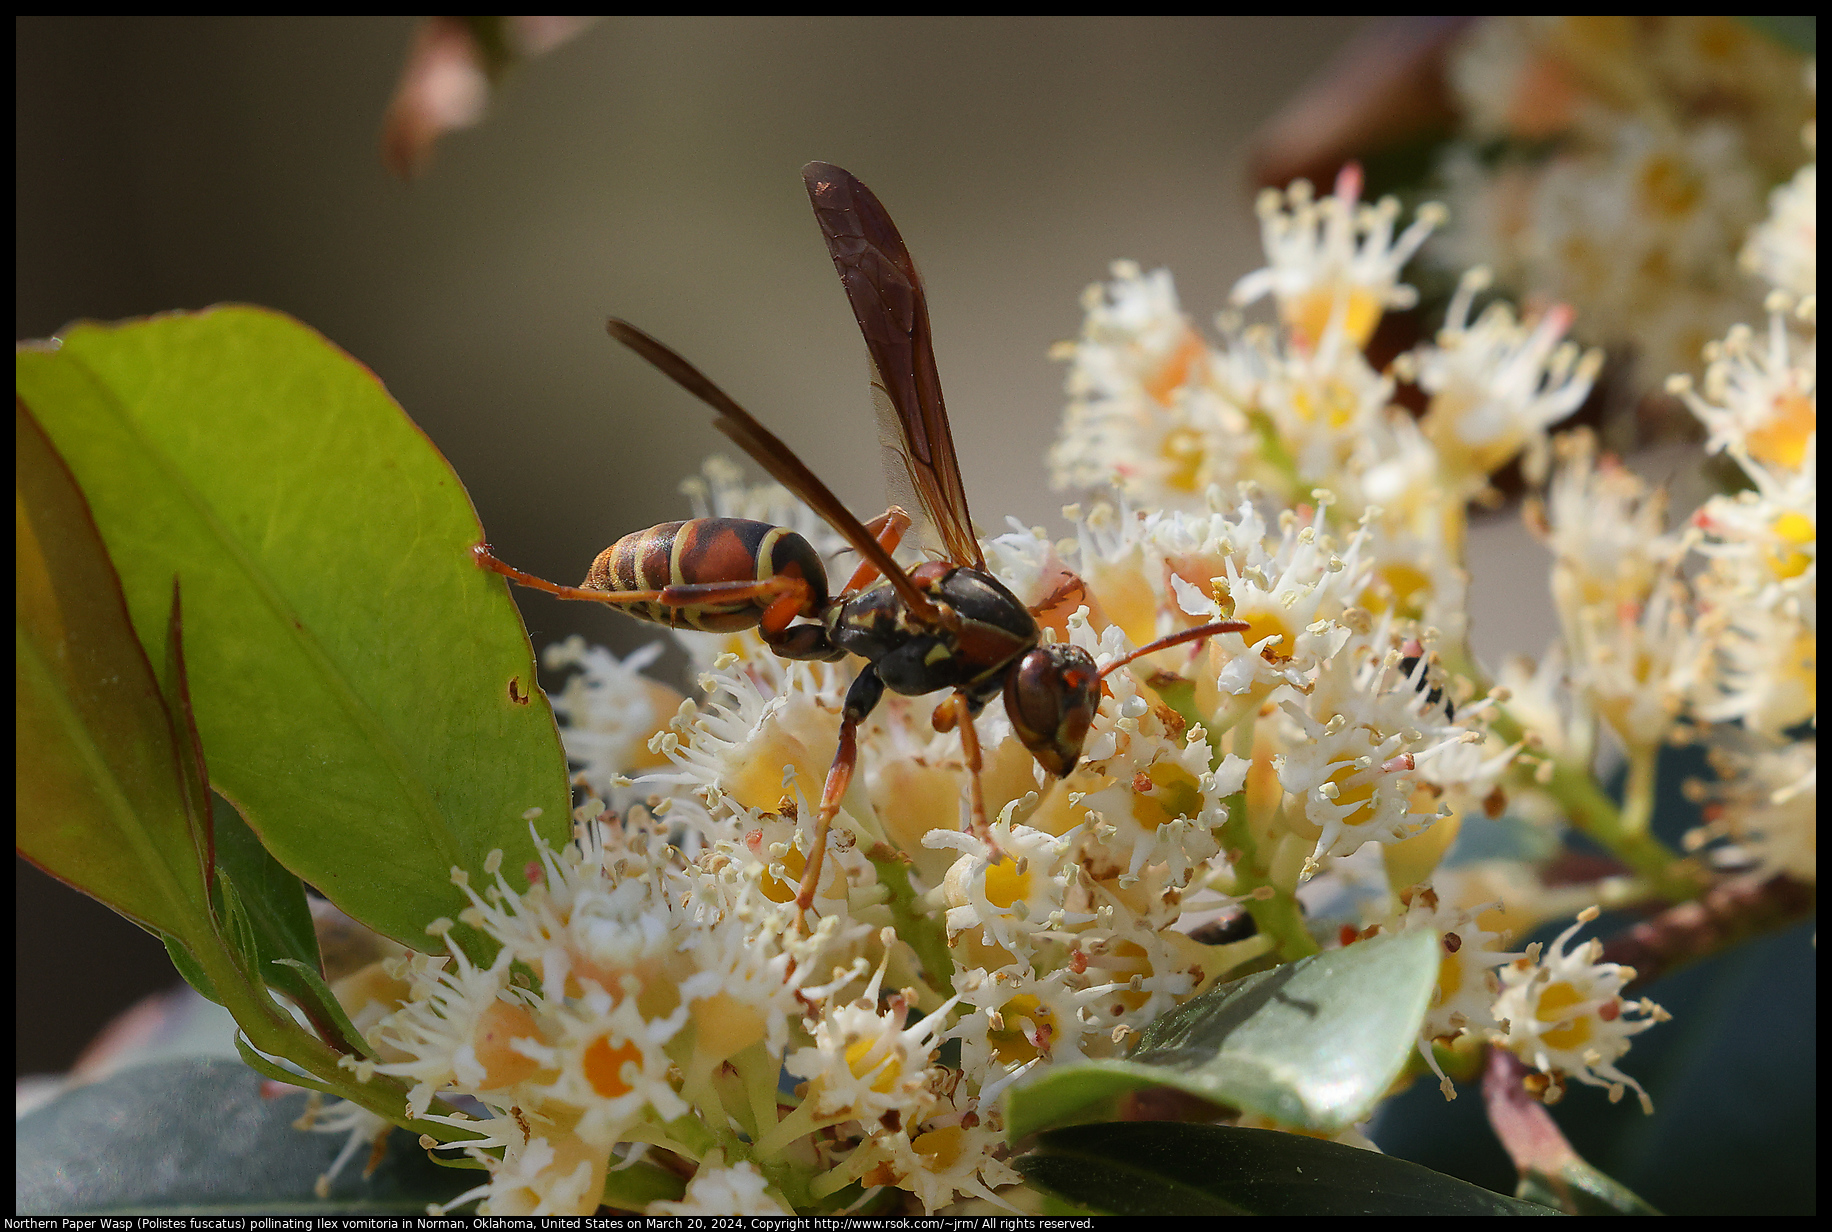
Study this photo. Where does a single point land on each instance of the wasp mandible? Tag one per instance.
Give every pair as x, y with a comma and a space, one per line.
947, 623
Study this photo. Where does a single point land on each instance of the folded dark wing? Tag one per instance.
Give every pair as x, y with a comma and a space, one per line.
887, 299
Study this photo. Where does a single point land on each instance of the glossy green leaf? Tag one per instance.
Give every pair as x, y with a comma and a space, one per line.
198, 1136
1167, 1168
1313, 1044
364, 692
99, 797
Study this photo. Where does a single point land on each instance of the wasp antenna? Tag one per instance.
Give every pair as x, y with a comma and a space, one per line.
1177, 639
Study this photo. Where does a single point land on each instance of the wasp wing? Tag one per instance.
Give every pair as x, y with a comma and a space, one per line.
893, 313
774, 456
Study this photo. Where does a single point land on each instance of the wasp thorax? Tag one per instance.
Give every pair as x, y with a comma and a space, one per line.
1052, 696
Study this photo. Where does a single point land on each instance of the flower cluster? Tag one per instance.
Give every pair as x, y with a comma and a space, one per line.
658, 1007
1615, 163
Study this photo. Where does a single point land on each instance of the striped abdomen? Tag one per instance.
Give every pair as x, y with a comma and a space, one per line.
708, 550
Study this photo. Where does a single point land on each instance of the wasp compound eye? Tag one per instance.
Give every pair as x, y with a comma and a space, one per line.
1051, 697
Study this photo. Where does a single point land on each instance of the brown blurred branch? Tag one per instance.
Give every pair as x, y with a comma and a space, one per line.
1385, 87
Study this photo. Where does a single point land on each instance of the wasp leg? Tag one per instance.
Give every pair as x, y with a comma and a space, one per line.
957, 712
1177, 639
861, 698
809, 641
888, 528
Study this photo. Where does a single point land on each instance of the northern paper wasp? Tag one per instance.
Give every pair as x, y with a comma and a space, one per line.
945, 624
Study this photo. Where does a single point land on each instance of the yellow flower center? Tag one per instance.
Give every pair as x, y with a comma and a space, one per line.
1173, 792
1669, 187
1397, 586
1792, 531
1553, 1004
940, 1147
860, 1061
1183, 449
1782, 440
1308, 314
1360, 794
1263, 624
1009, 1042
1005, 885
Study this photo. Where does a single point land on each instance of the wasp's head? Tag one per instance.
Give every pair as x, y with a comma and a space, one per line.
1051, 697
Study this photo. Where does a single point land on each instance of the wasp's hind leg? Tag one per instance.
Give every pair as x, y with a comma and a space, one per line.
861, 698
888, 527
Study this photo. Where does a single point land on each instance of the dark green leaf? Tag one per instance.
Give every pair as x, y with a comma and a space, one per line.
1313, 1044
305, 985
1167, 1168
285, 946
365, 693
99, 788
197, 1136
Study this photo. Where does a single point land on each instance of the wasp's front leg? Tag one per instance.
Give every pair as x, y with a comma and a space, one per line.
861, 699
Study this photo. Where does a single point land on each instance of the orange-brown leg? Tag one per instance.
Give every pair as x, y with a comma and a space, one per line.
839, 778
861, 698
956, 713
888, 528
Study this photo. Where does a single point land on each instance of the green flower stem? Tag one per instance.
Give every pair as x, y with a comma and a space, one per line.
1623, 831
1638, 792
1277, 916
922, 932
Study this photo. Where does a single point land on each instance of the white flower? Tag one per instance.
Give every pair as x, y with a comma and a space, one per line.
1563, 1014
608, 710
1496, 384
1784, 249
1334, 263
1760, 400
723, 1189
1464, 996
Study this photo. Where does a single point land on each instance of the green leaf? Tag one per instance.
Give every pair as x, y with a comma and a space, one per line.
365, 692
190, 969
305, 985
99, 789
1313, 1044
285, 953
1167, 1168
198, 1136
